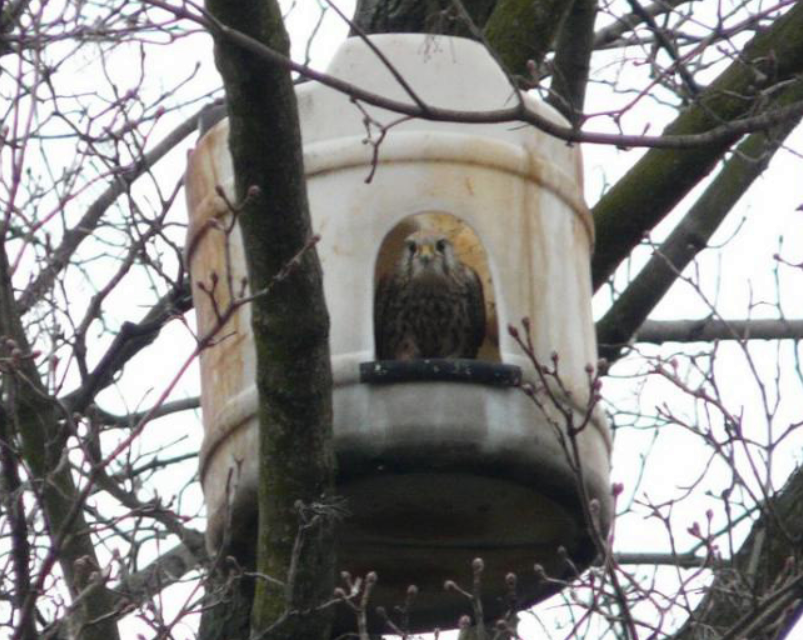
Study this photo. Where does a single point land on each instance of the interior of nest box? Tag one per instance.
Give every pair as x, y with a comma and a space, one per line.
468, 248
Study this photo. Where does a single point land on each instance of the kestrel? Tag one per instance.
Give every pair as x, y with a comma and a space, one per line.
431, 305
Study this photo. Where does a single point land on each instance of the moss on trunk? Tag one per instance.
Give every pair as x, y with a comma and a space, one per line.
524, 30
290, 324
657, 182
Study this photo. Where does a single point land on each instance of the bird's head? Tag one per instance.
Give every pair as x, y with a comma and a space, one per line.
428, 253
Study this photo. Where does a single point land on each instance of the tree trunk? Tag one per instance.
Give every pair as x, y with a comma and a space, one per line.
420, 16
291, 330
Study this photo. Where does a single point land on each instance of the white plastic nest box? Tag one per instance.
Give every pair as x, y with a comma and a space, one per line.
440, 463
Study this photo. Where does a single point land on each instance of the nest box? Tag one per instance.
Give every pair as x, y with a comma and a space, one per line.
440, 461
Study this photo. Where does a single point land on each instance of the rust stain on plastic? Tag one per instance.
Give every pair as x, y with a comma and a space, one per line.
222, 370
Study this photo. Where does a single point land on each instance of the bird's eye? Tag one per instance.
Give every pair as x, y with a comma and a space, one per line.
411, 247
440, 245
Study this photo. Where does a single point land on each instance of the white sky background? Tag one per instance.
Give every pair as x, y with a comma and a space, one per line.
737, 280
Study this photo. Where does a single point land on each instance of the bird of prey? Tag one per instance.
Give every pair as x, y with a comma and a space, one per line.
430, 305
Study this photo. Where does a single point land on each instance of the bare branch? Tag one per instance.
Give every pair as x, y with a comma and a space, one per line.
61, 255
140, 587
10, 14
130, 340
660, 179
14, 508
627, 23
704, 137
686, 561
415, 16
131, 419
691, 235
735, 609
35, 420
167, 569
572, 61
709, 329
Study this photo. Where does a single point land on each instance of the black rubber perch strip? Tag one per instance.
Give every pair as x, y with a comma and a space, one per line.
440, 370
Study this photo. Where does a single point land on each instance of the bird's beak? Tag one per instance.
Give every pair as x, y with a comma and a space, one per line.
426, 252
